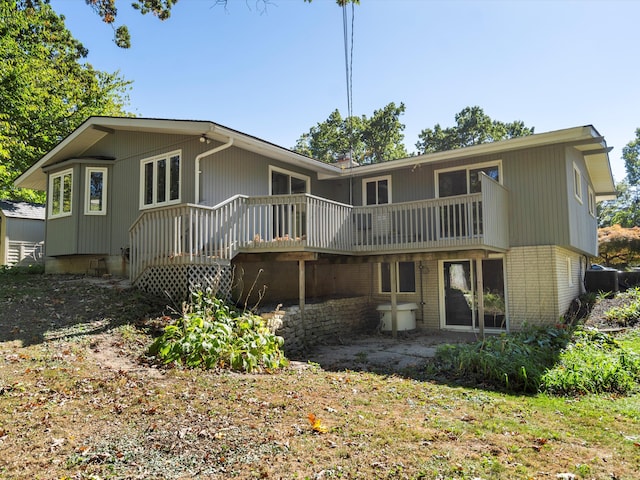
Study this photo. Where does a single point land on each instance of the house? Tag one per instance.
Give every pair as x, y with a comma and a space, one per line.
21, 233
173, 203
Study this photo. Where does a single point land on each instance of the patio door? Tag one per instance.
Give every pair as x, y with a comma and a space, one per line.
289, 219
459, 304
458, 294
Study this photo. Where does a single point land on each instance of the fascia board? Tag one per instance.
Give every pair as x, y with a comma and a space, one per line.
576, 134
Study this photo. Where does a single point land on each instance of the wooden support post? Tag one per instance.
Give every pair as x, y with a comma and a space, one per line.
394, 300
301, 298
480, 296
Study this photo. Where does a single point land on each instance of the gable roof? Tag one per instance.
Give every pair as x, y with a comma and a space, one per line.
26, 210
585, 138
95, 128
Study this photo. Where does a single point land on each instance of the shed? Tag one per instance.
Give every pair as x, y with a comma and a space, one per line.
22, 227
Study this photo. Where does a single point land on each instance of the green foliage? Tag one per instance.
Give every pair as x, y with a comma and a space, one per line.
213, 334
371, 140
594, 362
548, 360
45, 89
515, 362
36, 269
473, 127
625, 209
628, 313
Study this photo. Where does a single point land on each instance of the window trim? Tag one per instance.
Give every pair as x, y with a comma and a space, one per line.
398, 290
577, 183
365, 181
289, 173
467, 168
87, 190
155, 159
52, 177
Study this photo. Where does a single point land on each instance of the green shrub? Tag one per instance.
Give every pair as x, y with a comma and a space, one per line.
35, 269
629, 313
515, 362
594, 362
213, 334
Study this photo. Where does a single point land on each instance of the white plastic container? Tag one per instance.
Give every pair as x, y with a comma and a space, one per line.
406, 313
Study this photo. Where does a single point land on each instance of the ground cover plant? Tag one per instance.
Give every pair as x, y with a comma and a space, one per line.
77, 402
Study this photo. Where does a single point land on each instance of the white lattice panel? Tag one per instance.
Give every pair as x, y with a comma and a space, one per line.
177, 281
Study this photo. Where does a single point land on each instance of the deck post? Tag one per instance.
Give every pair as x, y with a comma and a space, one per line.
394, 300
480, 295
301, 298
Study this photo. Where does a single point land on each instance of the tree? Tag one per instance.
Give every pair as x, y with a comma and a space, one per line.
161, 9
369, 140
625, 209
631, 156
619, 246
45, 89
472, 127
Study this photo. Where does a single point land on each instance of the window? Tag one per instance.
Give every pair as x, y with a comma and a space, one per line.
577, 183
95, 202
592, 202
160, 180
462, 181
60, 194
284, 182
570, 272
405, 277
376, 191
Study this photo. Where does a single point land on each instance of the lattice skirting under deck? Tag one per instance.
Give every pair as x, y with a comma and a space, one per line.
178, 281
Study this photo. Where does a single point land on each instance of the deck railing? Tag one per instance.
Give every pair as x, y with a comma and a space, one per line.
279, 223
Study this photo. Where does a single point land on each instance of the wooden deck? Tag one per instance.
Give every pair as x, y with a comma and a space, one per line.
296, 223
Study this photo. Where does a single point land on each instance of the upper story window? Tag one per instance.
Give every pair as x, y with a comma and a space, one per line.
465, 180
61, 194
95, 194
160, 180
592, 201
577, 183
376, 191
284, 182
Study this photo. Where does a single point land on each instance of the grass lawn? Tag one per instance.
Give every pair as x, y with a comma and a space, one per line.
76, 403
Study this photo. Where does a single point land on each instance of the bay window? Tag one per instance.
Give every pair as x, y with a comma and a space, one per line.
60, 194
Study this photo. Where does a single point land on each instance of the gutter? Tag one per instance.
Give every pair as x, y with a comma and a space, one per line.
200, 156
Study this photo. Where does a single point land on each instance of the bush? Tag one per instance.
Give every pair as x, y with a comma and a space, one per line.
629, 313
594, 362
213, 334
515, 362
35, 269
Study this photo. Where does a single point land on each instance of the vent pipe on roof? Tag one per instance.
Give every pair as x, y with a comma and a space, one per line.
200, 156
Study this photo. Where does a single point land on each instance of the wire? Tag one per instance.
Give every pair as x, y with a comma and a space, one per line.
348, 61
348, 64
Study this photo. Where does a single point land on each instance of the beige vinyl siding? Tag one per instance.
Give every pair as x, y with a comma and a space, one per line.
536, 180
235, 171
583, 227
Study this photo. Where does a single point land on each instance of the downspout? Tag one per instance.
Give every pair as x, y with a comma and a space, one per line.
200, 156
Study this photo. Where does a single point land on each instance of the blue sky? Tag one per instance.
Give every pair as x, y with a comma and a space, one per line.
275, 74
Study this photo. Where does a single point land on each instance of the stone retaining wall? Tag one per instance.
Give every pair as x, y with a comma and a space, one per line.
327, 322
